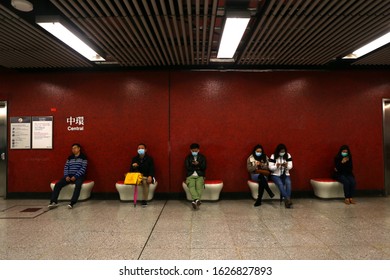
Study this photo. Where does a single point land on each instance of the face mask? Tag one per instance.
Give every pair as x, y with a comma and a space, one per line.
282, 154
258, 154
344, 154
141, 152
194, 154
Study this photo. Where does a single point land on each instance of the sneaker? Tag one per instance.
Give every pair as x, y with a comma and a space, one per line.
287, 203
52, 205
346, 201
70, 206
194, 205
198, 202
144, 203
257, 203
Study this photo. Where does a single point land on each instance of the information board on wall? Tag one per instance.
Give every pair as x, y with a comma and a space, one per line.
42, 132
20, 132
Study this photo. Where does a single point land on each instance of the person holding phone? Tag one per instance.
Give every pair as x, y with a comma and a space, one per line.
343, 173
280, 164
257, 166
195, 164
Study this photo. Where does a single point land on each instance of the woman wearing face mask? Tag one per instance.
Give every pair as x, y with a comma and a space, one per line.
280, 164
343, 173
257, 166
143, 163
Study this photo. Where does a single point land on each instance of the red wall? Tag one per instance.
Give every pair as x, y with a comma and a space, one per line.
227, 113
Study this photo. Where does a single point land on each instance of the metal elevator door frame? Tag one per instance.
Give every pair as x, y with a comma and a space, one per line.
3, 148
386, 143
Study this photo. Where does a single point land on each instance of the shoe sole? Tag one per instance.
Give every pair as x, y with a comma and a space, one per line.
52, 206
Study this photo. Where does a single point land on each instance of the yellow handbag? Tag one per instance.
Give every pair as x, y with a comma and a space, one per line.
133, 178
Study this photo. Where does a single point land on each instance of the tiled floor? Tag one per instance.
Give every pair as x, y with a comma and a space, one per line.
228, 229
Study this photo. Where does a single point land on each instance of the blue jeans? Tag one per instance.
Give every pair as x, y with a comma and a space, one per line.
349, 184
285, 189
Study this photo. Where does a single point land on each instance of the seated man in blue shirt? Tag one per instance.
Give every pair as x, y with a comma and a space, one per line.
74, 173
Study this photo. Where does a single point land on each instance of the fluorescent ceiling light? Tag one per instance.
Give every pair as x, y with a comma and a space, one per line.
232, 33
381, 41
65, 35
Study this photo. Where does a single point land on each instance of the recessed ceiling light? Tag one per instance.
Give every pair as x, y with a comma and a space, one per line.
372, 46
22, 5
233, 31
68, 36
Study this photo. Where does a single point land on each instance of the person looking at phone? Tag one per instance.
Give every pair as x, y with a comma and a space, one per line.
280, 164
257, 166
343, 173
195, 164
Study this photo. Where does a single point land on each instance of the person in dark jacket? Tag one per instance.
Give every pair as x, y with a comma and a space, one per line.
74, 173
195, 164
343, 173
256, 162
144, 164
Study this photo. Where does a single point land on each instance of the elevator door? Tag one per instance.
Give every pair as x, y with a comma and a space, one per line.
386, 143
3, 148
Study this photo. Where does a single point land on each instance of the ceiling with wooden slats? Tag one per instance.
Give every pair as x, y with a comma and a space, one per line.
169, 34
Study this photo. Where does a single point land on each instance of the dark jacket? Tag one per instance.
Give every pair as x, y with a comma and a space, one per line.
145, 165
200, 168
343, 168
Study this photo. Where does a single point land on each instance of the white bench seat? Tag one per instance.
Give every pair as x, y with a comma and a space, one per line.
211, 192
66, 192
327, 188
126, 192
254, 187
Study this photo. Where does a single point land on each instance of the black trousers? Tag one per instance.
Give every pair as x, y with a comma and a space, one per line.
263, 185
62, 183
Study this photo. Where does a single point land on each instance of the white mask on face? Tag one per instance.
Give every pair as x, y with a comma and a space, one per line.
282, 154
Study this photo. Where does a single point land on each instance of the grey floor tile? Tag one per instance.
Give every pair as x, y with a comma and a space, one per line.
215, 254
227, 229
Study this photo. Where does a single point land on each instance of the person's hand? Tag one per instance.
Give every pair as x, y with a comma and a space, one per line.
257, 163
135, 164
194, 162
73, 179
67, 179
345, 159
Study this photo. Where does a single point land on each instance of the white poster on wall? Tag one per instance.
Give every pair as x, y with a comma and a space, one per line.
42, 132
20, 132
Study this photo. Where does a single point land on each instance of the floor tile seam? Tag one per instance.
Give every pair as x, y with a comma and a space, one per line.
152, 230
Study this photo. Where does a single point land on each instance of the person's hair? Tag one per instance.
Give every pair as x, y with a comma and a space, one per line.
76, 144
278, 149
142, 144
194, 146
263, 155
344, 147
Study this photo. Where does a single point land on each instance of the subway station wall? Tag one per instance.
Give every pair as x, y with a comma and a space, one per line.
227, 113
